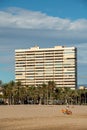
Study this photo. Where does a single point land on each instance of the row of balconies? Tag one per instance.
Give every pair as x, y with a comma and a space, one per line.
42, 75
36, 54
46, 62
45, 65
46, 80
45, 57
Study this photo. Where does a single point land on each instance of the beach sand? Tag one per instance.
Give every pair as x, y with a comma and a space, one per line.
42, 117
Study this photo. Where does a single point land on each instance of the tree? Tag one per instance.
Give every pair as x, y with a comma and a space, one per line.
18, 92
1, 83
51, 86
8, 91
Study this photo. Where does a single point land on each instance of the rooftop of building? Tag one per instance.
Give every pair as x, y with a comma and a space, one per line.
36, 48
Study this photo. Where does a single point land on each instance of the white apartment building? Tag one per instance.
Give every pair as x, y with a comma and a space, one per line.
36, 66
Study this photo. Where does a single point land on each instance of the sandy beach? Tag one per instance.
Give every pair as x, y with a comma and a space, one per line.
42, 117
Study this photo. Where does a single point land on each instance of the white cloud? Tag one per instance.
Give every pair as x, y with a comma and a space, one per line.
20, 18
79, 25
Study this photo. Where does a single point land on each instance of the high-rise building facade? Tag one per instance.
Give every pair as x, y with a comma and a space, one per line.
36, 66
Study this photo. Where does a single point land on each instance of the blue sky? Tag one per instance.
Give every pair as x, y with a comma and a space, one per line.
46, 23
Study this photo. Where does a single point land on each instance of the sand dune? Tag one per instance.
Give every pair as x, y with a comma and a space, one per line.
41, 117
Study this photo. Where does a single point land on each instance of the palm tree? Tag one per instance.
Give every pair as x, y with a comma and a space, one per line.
1, 83
65, 95
82, 96
18, 92
45, 93
51, 87
7, 92
32, 93
11, 86
1, 89
58, 95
